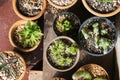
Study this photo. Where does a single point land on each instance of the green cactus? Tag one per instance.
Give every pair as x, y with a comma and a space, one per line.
85, 33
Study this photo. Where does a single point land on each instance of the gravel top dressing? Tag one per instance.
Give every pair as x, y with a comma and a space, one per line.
11, 66
30, 7
62, 2
104, 6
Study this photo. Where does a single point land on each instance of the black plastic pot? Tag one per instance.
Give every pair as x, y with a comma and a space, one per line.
91, 20
72, 32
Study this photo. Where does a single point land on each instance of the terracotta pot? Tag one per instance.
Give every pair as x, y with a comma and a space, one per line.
57, 78
15, 8
11, 31
62, 7
95, 71
56, 68
86, 5
20, 57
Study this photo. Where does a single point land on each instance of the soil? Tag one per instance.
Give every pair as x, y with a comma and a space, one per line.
54, 63
89, 44
74, 22
103, 7
13, 66
30, 7
62, 2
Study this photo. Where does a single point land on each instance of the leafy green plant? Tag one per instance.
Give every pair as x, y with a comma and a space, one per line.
65, 25
30, 35
62, 53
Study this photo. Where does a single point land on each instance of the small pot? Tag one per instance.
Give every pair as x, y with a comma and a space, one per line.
11, 34
11, 53
86, 5
62, 7
94, 70
62, 68
89, 23
74, 21
16, 10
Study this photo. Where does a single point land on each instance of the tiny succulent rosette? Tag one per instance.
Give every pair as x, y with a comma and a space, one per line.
62, 54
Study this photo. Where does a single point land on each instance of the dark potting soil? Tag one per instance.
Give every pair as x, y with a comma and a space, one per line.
74, 23
103, 7
89, 44
29, 7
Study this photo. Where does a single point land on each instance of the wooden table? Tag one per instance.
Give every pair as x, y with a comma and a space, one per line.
7, 18
109, 62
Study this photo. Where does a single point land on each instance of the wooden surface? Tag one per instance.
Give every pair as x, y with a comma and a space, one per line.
7, 18
108, 62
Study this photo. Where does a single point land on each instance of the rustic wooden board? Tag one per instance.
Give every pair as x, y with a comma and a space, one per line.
108, 62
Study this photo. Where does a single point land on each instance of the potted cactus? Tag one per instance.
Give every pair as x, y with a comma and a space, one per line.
62, 4
102, 8
90, 72
12, 66
29, 9
66, 24
62, 54
25, 35
97, 36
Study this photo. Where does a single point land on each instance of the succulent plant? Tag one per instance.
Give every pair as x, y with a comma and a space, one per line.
65, 25
100, 40
30, 35
82, 75
62, 52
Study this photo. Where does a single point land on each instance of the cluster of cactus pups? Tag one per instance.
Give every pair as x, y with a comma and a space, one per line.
102, 42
